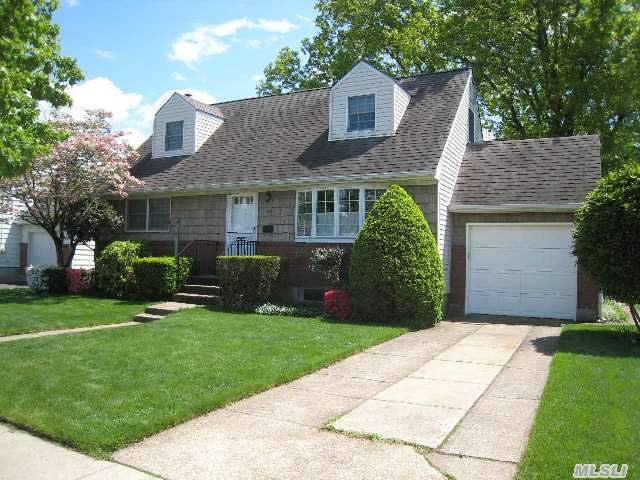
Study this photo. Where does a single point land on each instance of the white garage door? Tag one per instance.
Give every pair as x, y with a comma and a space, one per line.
521, 269
41, 251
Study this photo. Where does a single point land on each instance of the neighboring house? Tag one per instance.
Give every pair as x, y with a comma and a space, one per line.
284, 174
23, 244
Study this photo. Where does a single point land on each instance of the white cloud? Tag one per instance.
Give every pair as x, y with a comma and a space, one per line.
257, 77
275, 26
304, 19
134, 137
255, 43
72, 3
193, 46
102, 93
205, 41
104, 54
178, 76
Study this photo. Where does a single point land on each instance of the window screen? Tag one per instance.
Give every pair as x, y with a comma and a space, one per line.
362, 112
173, 136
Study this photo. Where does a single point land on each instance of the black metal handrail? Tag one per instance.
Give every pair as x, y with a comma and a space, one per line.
240, 246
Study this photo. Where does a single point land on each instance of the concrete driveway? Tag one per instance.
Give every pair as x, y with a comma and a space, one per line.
457, 399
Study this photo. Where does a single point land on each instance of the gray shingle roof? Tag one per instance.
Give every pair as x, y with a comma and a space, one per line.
283, 139
552, 171
203, 107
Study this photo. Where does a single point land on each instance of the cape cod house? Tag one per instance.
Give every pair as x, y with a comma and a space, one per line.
286, 173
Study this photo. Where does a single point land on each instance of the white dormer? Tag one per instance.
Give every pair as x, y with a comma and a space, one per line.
365, 103
182, 125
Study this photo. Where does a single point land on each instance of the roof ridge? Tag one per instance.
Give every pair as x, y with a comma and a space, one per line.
304, 90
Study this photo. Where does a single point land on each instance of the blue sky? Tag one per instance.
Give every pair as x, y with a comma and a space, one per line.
135, 53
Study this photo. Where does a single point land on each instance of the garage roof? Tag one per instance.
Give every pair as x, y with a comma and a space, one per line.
536, 172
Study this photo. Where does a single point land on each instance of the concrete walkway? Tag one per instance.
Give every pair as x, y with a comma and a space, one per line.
482, 376
48, 333
23, 456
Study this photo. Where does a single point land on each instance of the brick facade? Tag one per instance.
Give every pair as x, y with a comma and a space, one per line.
587, 308
203, 220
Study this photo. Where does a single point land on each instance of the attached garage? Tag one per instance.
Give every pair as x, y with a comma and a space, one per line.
523, 269
511, 217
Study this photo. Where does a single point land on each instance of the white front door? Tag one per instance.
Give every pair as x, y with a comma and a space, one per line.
242, 218
41, 250
521, 269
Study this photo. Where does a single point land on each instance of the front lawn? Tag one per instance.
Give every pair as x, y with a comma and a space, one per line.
590, 409
22, 311
102, 390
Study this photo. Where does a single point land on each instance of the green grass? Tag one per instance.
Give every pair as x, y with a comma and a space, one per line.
102, 390
22, 311
590, 409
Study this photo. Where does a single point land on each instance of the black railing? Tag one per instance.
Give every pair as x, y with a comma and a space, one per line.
240, 246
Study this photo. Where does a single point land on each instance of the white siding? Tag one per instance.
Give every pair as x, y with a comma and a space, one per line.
206, 124
84, 256
448, 168
401, 101
174, 110
10, 235
365, 80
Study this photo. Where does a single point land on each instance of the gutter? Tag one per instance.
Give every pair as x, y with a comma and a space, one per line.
425, 177
514, 207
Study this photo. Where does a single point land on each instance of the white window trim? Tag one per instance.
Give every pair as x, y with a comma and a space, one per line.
375, 114
146, 228
335, 238
165, 136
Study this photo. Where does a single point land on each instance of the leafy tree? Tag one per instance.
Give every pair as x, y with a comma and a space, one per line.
554, 68
396, 273
31, 70
607, 236
86, 220
58, 186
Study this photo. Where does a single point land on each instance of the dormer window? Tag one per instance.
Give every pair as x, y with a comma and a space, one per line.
362, 112
173, 136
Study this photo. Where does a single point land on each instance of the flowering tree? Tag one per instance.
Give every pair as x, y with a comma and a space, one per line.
92, 161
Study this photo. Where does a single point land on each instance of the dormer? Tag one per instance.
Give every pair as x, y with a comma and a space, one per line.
182, 125
365, 103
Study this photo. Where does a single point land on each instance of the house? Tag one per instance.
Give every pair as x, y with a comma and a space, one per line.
23, 244
286, 173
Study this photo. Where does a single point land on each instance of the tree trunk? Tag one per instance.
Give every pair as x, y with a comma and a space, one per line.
72, 252
635, 315
59, 252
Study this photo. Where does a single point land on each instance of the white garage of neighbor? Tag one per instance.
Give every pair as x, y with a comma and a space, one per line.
523, 269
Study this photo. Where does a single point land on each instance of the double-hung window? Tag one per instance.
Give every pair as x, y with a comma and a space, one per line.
334, 213
362, 112
149, 215
173, 135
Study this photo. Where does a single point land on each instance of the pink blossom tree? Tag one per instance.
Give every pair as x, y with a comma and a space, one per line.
91, 162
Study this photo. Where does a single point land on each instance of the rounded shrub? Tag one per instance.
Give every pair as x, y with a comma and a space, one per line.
607, 236
114, 266
396, 273
160, 276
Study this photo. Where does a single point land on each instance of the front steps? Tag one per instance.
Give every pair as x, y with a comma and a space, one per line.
199, 291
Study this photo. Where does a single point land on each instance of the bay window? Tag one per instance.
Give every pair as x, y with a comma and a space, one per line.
148, 215
333, 213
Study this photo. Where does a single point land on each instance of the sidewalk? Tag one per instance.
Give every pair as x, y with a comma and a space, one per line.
23, 456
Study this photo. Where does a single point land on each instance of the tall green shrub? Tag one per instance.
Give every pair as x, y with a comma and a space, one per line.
247, 281
396, 273
607, 236
160, 276
114, 266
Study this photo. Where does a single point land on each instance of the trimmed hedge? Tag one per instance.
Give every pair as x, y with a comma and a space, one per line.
396, 273
246, 282
56, 279
160, 276
114, 266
